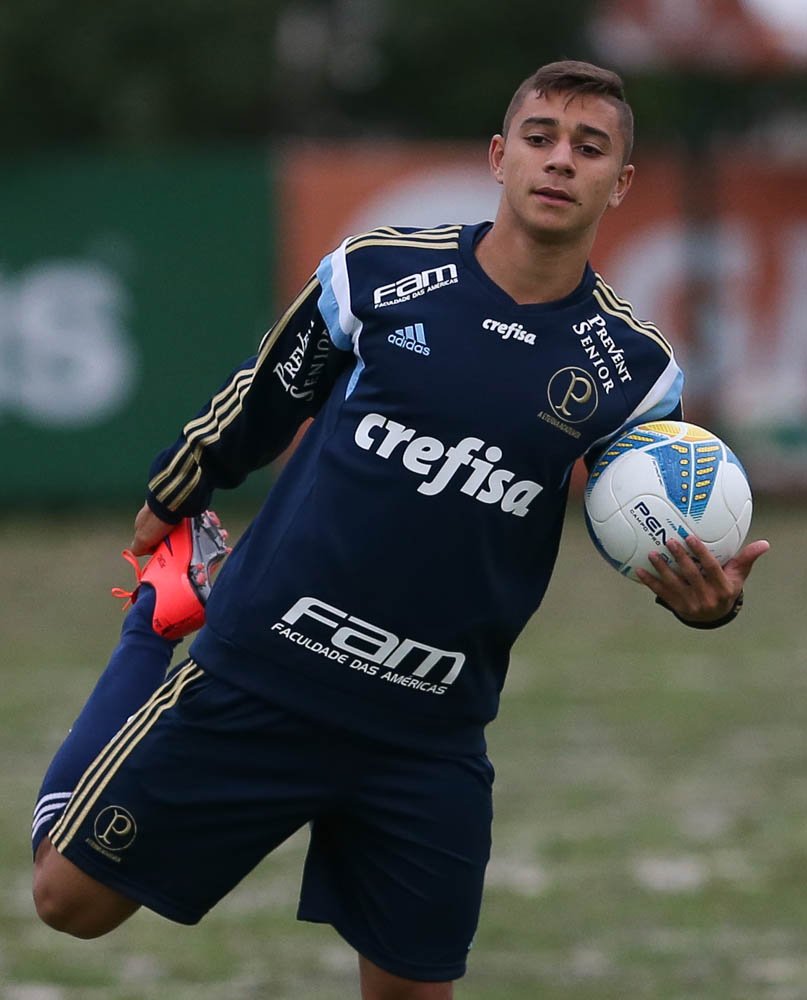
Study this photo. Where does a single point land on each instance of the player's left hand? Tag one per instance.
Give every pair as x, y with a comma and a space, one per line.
149, 531
699, 589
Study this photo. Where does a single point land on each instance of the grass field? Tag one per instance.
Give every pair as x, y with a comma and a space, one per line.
651, 830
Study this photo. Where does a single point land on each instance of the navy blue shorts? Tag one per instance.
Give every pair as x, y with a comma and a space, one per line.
205, 780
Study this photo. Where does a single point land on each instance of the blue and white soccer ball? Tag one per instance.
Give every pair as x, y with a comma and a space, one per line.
666, 480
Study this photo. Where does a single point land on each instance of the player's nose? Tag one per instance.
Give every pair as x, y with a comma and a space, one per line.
560, 159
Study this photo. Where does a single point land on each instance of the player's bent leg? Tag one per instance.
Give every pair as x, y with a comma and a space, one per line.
69, 900
136, 668
376, 984
169, 602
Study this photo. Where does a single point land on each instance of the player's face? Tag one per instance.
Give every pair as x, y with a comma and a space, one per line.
561, 165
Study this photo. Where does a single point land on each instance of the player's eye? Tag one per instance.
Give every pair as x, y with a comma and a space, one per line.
590, 150
537, 139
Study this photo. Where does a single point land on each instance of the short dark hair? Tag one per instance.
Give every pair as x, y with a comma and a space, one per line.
575, 79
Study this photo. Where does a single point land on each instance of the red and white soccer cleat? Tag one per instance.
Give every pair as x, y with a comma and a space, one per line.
181, 572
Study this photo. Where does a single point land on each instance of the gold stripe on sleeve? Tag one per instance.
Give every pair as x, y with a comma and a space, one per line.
403, 242
610, 303
176, 482
392, 235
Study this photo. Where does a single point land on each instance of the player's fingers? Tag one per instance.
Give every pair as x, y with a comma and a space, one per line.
701, 552
714, 589
742, 564
748, 556
685, 589
149, 531
689, 565
670, 583
650, 581
673, 591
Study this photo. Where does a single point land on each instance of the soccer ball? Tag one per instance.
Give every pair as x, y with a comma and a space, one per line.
666, 480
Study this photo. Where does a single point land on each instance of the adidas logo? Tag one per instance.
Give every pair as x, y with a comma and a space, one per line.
411, 338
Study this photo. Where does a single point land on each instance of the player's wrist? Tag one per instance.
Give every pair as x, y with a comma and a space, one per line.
730, 615
163, 513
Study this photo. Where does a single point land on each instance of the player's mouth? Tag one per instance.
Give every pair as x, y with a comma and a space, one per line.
555, 196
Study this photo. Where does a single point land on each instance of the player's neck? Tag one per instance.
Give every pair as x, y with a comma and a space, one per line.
529, 269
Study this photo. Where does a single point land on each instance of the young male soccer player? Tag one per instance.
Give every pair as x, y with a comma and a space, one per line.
357, 638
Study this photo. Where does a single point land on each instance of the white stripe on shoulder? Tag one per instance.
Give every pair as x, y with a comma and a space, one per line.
349, 322
334, 301
660, 401
663, 396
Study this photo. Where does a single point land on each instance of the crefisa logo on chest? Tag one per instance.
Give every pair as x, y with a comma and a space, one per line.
509, 330
471, 465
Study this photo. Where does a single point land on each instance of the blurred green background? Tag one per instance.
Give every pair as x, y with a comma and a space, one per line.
651, 830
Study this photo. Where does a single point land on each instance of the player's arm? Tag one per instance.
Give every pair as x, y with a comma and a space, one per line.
249, 421
593, 455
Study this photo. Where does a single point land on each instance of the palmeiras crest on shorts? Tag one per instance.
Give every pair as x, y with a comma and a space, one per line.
115, 828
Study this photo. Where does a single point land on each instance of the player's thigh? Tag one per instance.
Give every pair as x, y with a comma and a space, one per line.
400, 872
191, 794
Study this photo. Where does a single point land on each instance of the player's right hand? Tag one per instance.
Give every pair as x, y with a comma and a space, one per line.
149, 531
699, 589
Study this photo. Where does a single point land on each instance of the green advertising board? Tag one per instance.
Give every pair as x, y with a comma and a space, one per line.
129, 289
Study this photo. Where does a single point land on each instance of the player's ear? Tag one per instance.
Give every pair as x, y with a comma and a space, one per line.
622, 186
495, 154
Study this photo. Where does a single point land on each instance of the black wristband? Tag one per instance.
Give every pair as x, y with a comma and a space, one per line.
717, 623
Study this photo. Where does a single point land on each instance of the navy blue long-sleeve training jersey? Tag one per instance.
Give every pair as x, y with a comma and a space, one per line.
413, 533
